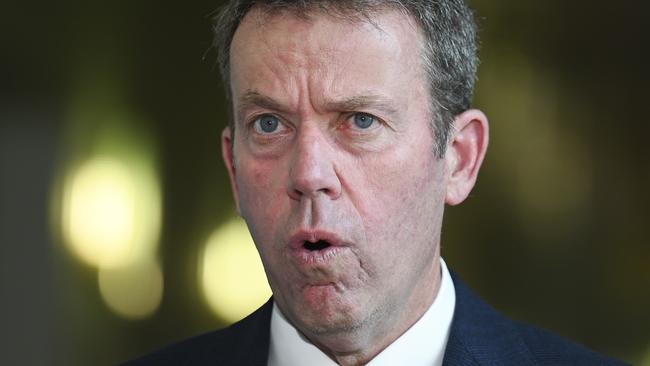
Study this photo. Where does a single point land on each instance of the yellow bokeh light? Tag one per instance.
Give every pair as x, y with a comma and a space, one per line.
111, 212
100, 210
106, 200
133, 291
231, 273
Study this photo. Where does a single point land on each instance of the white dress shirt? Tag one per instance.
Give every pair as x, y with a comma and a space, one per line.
423, 344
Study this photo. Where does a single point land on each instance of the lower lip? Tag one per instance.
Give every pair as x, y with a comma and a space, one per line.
317, 257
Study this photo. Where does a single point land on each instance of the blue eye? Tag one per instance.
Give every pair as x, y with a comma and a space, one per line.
266, 124
363, 120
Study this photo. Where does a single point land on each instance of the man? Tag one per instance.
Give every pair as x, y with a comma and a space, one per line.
351, 129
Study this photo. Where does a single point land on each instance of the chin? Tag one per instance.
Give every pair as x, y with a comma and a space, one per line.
331, 316
331, 326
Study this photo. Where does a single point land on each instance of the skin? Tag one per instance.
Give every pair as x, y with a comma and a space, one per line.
378, 193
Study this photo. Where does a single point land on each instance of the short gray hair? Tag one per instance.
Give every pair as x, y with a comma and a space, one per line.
450, 52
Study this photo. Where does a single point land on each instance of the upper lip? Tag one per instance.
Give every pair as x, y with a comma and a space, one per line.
298, 239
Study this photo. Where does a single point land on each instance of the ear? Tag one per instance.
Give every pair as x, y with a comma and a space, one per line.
465, 152
229, 160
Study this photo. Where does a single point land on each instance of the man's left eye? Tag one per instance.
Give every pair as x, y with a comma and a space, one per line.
364, 120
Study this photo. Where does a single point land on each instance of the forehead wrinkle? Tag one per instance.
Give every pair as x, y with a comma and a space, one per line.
267, 24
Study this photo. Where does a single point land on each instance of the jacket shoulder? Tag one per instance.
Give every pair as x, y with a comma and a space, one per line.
243, 343
550, 349
480, 335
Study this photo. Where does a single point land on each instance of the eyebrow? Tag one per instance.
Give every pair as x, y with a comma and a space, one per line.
360, 102
253, 98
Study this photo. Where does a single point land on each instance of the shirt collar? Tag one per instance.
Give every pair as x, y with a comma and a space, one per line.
423, 344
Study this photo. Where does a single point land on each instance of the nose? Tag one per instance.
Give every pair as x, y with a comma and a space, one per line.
312, 167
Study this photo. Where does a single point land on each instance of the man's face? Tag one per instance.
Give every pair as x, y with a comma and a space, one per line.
333, 166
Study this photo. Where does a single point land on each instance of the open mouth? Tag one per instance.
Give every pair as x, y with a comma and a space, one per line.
314, 246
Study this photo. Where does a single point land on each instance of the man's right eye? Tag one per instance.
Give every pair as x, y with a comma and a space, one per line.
266, 124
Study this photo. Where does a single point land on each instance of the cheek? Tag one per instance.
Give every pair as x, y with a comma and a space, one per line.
399, 181
261, 196
257, 182
402, 201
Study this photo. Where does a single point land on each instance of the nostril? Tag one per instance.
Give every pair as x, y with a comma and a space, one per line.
321, 244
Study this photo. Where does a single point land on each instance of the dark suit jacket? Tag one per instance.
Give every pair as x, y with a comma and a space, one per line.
478, 336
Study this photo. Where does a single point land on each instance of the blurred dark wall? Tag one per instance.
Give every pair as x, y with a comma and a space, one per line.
554, 233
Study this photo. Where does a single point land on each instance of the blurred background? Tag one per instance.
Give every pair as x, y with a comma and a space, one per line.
118, 233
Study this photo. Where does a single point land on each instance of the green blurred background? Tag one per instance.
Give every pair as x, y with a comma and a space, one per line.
555, 233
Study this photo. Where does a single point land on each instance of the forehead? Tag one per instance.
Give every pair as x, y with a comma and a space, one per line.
296, 20
314, 42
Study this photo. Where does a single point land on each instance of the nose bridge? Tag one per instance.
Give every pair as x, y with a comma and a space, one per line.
312, 169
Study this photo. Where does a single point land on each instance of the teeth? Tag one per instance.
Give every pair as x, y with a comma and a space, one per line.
321, 244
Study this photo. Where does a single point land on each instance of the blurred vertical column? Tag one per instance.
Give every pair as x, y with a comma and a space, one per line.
27, 142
